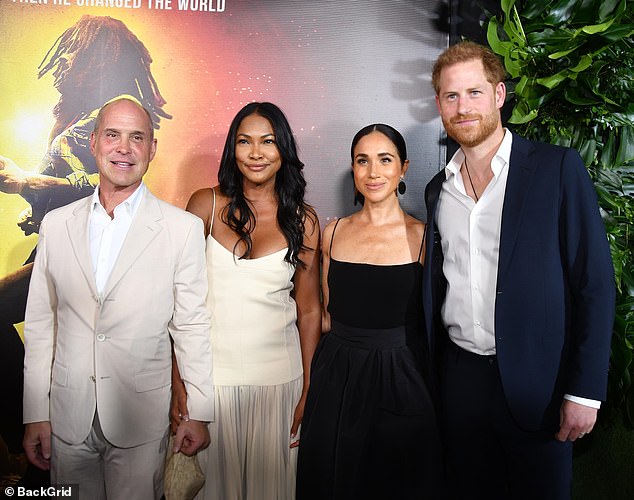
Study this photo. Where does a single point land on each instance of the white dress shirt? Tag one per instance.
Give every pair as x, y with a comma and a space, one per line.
470, 241
471, 247
108, 234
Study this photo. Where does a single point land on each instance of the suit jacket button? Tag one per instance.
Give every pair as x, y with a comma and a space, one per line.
101, 337
92, 378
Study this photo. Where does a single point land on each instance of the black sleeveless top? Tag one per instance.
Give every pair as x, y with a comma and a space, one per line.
375, 296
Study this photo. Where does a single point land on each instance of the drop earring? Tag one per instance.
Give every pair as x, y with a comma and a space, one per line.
402, 187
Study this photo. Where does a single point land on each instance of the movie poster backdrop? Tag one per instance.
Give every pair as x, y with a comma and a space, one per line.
333, 66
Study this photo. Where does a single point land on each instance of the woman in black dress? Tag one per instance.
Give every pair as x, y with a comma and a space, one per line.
369, 428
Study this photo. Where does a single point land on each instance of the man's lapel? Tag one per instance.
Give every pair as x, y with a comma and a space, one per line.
78, 227
144, 228
518, 186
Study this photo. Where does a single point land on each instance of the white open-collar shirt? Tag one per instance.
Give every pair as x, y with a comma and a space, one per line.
107, 234
471, 248
470, 238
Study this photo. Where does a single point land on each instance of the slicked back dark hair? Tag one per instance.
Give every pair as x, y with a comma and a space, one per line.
390, 132
290, 185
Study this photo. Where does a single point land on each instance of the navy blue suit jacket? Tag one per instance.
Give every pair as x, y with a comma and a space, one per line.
554, 307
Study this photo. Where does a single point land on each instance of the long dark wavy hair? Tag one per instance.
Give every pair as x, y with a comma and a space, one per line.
290, 185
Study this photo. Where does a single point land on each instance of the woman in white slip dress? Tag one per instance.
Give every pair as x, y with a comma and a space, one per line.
263, 273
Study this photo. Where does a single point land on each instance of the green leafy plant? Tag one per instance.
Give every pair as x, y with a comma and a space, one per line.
571, 64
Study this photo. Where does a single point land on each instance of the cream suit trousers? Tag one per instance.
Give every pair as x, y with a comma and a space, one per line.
104, 471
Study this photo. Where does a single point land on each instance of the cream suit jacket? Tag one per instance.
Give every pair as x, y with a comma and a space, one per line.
111, 352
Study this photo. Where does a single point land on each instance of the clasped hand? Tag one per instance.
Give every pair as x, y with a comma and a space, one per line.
191, 437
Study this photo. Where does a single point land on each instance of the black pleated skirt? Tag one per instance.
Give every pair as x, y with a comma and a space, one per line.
369, 427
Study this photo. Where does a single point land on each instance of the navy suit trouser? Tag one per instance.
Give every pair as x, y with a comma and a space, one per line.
490, 456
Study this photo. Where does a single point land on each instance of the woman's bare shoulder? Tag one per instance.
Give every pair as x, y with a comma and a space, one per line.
200, 202
329, 231
414, 224
339, 223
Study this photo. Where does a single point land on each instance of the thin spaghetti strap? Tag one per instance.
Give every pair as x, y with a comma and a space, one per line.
213, 209
332, 237
422, 243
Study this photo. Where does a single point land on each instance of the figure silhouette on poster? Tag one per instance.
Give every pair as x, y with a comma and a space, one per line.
95, 60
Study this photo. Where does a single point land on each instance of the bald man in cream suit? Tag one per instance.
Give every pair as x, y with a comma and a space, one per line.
116, 276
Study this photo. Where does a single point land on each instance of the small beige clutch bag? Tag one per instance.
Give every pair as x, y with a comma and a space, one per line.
183, 477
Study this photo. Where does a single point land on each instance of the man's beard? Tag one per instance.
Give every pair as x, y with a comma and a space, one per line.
472, 135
